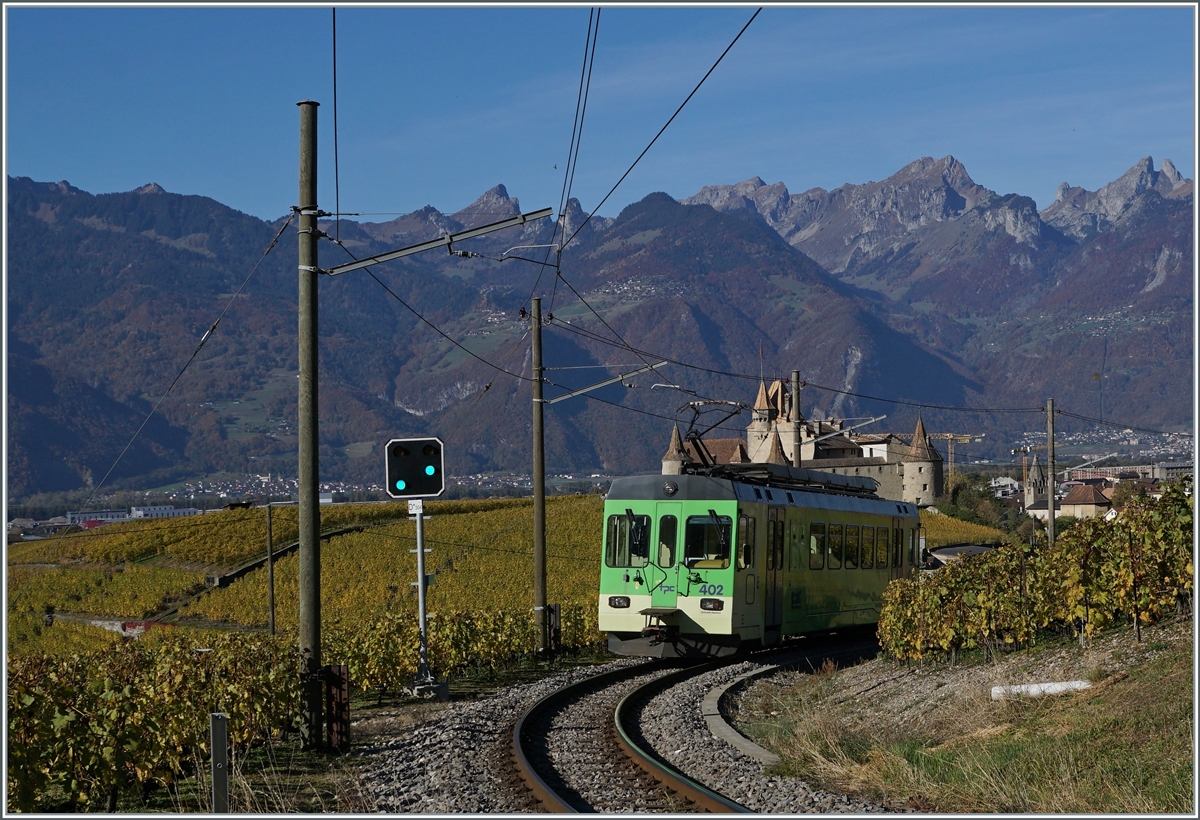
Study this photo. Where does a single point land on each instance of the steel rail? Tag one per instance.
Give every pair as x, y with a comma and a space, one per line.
549, 798
675, 780
624, 715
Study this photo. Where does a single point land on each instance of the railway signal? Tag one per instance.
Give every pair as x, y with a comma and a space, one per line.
415, 467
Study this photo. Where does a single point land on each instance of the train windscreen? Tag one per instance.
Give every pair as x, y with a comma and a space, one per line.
706, 541
627, 540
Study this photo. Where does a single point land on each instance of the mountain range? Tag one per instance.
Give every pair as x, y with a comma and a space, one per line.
921, 292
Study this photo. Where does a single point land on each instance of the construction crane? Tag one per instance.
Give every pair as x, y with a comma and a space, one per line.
951, 438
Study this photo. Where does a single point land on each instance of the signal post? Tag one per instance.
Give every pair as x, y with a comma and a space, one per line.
415, 469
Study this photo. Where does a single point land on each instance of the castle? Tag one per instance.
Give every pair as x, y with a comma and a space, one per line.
779, 434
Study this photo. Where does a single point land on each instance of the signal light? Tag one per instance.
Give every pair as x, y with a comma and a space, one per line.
712, 604
415, 468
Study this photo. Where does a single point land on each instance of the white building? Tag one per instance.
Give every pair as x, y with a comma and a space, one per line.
1003, 486
162, 511
107, 516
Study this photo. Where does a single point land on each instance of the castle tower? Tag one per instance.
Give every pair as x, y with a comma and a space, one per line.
922, 469
676, 457
760, 425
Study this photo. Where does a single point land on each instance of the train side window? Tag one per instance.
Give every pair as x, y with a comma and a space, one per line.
881, 547
868, 548
851, 546
816, 546
834, 549
912, 547
779, 543
746, 530
897, 546
668, 535
794, 529
626, 540
706, 542
772, 533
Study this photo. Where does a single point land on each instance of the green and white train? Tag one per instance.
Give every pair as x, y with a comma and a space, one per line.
739, 556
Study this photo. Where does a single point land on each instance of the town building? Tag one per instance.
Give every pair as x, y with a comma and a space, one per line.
104, 516
778, 433
1085, 501
161, 511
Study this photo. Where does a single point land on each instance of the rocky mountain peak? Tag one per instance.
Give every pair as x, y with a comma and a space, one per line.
1170, 173
1081, 213
495, 204
572, 217
152, 188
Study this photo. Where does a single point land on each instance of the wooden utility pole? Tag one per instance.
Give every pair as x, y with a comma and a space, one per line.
1050, 482
270, 576
310, 513
539, 485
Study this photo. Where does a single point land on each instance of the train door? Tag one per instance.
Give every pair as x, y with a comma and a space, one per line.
773, 575
897, 562
665, 556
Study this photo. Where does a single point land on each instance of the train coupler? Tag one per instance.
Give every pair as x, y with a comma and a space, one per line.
658, 634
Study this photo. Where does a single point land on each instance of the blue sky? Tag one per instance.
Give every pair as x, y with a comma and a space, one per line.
436, 105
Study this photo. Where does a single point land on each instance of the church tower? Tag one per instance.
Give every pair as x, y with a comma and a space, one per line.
1035, 486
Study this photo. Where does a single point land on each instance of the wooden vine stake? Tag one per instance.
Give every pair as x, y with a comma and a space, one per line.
1133, 568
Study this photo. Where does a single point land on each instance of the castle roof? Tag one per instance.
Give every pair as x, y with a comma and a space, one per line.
761, 403
723, 451
920, 449
776, 456
675, 451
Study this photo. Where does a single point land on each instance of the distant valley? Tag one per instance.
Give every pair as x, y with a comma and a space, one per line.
924, 288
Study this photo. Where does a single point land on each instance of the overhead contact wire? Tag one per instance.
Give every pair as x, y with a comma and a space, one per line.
664, 128
598, 338
203, 340
432, 326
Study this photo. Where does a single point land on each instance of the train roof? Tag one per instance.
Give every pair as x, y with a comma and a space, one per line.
807, 488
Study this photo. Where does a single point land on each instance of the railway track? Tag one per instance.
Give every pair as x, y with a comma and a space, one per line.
586, 748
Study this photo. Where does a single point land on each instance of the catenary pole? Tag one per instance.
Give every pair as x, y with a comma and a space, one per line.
270, 576
539, 485
310, 515
796, 416
1050, 464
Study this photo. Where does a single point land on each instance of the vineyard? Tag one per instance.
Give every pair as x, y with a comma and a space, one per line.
941, 530
90, 714
1138, 567
93, 714
85, 726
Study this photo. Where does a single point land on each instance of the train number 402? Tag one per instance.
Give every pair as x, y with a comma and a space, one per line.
712, 589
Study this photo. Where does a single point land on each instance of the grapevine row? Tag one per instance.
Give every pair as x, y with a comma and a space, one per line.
1138, 566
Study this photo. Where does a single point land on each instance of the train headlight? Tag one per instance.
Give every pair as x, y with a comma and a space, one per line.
712, 604
618, 601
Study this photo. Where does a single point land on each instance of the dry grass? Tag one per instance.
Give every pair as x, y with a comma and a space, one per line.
277, 778
1125, 745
